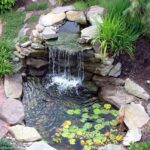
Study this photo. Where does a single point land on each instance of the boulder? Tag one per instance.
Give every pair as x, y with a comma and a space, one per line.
40, 146
24, 134
3, 128
26, 44
38, 54
136, 90
116, 70
90, 86
13, 86
49, 33
2, 93
37, 46
115, 95
39, 28
36, 34
77, 16
89, 33
94, 14
51, 18
132, 136
36, 63
12, 111
112, 147
63, 9
134, 115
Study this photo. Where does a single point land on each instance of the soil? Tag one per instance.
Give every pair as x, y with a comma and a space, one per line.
138, 67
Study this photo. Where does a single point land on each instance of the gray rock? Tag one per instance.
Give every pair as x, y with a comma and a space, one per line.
21, 9
36, 63
39, 54
95, 13
3, 128
132, 136
116, 70
62, 9
23, 31
24, 134
90, 86
39, 28
89, 33
112, 147
49, 33
37, 72
116, 95
136, 90
26, 44
40, 146
134, 115
12, 111
51, 18
53, 2
77, 16
148, 108
37, 46
13, 86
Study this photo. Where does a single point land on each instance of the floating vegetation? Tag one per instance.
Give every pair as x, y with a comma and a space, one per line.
96, 127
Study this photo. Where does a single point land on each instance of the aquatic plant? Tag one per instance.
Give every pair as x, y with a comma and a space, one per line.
93, 128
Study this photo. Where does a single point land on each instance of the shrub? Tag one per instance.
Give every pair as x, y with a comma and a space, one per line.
6, 5
37, 6
33, 19
5, 145
113, 37
5, 57
140, 146
80, 5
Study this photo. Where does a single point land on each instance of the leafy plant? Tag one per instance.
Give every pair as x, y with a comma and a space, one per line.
5, 145
33, 19
37, 6
5, 57
6, 5
140, 146
80, 5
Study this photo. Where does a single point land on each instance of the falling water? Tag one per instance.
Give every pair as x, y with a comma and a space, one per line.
66, 67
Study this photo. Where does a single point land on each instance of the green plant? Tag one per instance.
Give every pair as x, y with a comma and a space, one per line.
33, 19
6, 5
23, 39
114, 37
5, 145
80, 5
37, 6
5, 57
140, 146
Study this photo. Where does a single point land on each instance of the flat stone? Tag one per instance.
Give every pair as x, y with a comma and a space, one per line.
51, 18
39, 28
36, 63
12, 111
132, 136
134, 115
90, 86
40, 146
112, 147
89, 33
116, 95
49, 33
38, 54
37, 46
26, 44
94, 14
136, 90
3, 128
77, 16
62, 9
116, 70
13, 86
24, 134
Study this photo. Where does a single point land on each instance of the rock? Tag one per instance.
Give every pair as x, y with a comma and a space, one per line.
49, 33
116, 70
38, 72
3, 128
37, 46
40, 146
90, 86
148, 108
2, 93
39, 28
26, 44
36, 63
12, 111
1, 27
13, 86
62, 9
77, 16
51, 18
36, 34
53, 2
112, 147
88, 76
136, 90
23, 31
109, 61
89, 33
16, 53
28, 16
39, 54
24, 134
135, 115
95, 13
21, 9
115, 95
132, 136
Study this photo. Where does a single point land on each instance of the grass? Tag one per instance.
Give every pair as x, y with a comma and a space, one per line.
37, 6
80, 5
140, 146
33, 19
5, 145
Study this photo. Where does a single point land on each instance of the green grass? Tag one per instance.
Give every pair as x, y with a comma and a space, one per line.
5, 145
12, 21
33, 19
140, 146
80, 5
23, 39
37, 6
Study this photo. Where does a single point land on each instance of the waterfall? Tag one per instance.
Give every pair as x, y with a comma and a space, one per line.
66, 68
